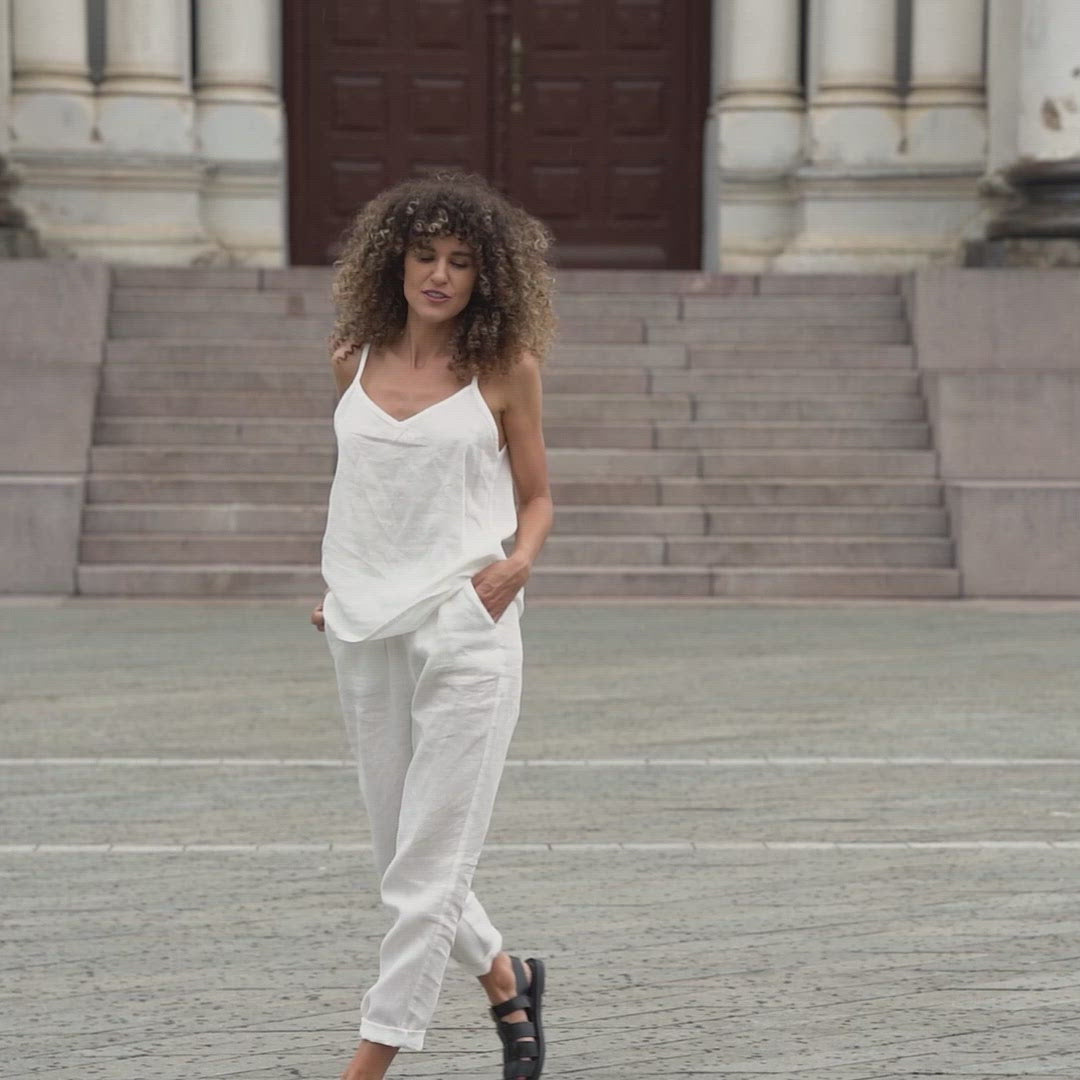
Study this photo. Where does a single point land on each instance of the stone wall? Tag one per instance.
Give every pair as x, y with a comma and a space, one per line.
999, 354
53, 316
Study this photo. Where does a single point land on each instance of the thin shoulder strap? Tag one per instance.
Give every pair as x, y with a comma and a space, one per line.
363, 360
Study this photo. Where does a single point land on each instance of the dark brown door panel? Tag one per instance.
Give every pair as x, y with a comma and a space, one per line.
588, 112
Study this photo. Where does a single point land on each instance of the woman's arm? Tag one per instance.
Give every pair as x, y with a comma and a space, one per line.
522, 420
524, 426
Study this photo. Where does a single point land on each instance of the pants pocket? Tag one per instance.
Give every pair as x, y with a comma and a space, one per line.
470, 590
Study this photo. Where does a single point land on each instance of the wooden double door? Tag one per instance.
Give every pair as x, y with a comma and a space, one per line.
589, 113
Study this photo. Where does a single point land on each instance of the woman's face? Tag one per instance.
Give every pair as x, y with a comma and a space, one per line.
440, 272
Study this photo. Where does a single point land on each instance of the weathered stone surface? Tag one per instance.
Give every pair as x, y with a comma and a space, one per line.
802, 841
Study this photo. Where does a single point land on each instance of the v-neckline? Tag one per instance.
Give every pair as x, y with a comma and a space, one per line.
408, 419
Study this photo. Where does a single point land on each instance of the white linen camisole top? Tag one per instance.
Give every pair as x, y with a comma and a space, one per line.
417, 506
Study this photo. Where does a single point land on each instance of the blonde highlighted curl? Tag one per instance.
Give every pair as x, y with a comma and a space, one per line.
510, 311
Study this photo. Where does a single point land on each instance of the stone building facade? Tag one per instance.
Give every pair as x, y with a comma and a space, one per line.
831, 134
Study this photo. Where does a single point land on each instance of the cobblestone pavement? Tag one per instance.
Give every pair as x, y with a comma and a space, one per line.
794, 841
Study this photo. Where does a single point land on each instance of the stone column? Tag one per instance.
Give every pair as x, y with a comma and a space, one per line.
758, 113
240, 121
1035, 144
855, 109
52, 106
139, 200
146, 103
946, 106
886, 186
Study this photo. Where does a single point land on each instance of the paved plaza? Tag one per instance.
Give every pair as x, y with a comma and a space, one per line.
790, 840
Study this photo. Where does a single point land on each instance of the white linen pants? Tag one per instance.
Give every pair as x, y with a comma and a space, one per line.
429, 715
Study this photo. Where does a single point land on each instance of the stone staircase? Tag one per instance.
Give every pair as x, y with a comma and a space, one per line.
733, 435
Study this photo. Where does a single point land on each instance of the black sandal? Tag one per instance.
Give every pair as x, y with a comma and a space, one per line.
522, 1058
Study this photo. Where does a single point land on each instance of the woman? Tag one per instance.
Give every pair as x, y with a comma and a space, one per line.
444, 317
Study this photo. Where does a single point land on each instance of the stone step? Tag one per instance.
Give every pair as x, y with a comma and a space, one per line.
776, 464
320, 404
773, 379
566, 358
138, 487
676, 281
883, 498
575, 549
792, 356
781, 307
646, 305
695, 282
202, 301
787, 493
723, 522
833, 582
559, 409
734, 410
200, 277
799, 407
726, 522
314, 358
810, 551
745, 434
224, 458
297, 303
713, 332
604, 432
230, 580
601, 383
629, 329
211, 519
315, 330
261, 548
771, 464
767, 377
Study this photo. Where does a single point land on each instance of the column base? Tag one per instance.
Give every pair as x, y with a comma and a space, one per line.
144, 209
1046, 203
757, 217
882, 220
243, 210
1016, 251
17, 239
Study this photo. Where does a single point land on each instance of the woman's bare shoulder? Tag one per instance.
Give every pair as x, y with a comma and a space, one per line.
344, 360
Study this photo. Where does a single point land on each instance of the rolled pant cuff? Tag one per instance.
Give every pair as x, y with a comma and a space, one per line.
406, 1038
484, 967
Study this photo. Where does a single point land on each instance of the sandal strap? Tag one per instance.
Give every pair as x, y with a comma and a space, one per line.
524, 1067
520, 1029
520, 1001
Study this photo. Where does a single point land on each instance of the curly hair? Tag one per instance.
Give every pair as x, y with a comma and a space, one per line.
510, 310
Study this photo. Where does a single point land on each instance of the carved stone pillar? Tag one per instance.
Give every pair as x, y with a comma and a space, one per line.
146, 103
945, 111
52, 104
240, 120
758, 116
855, 110
1036, 132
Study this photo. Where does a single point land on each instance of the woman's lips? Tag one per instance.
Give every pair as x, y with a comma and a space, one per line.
435, 297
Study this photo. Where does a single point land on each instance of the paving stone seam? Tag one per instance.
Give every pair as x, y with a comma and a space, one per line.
555, 846
345, 763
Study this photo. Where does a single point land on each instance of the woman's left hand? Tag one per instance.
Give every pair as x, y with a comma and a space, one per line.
498, 583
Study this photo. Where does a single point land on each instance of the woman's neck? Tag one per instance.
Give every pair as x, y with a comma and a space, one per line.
422, 342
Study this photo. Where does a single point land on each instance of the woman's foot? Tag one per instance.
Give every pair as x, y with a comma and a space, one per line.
370, 1061
507, 980
501, 985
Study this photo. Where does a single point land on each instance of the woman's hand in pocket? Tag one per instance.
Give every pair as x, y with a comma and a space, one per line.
498, 583
317, 618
